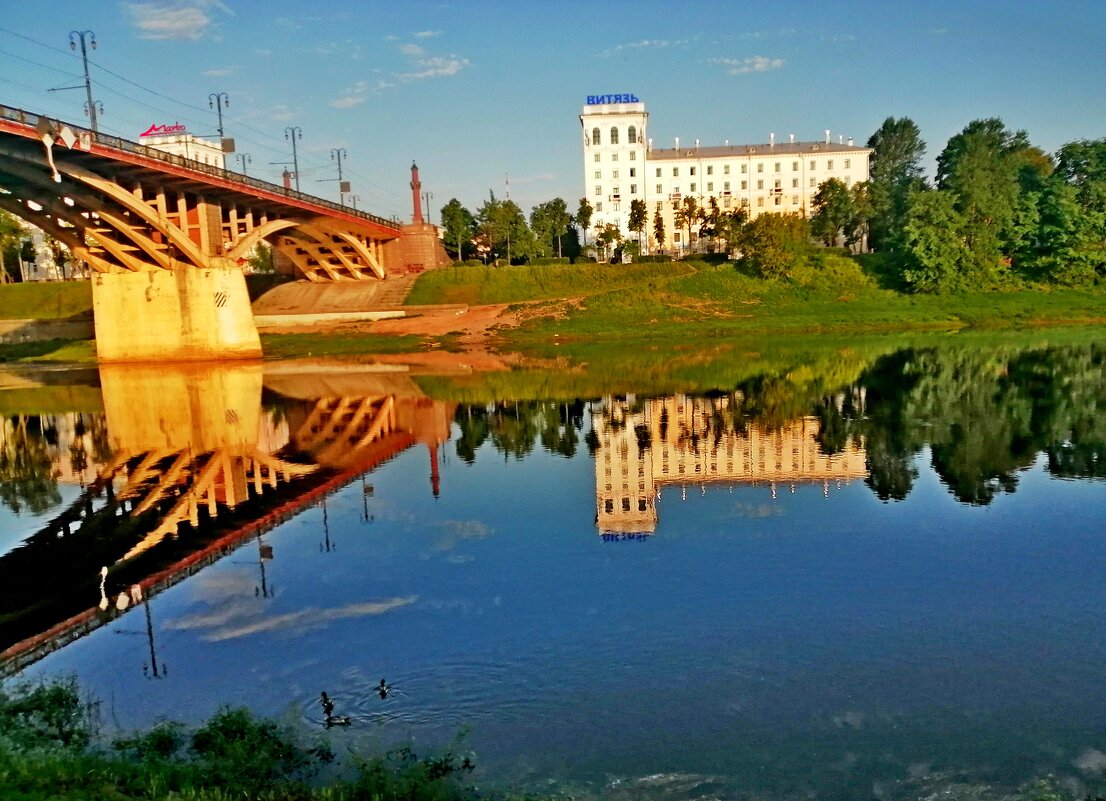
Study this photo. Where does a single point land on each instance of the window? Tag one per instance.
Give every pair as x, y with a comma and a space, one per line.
633, 189
794, 183
813, 183
744, 184
658, 172
616, 206
614, 173
776, 185
777, 166
633, 172
760, 201
615, 192
675, 171
812, 163
676, 190
725, 202
633, 155
598, 174
829, 164
631, 135
745, 203
596, 158
760, 185
693, 188
726, 186
614, 157
676, 237
710, 186
744, 168
710, 170
794, 166
614, 135
726, 169
794, 200
660, 189
598, 207
760, 167
598, 189
595, 136
778, 200
692, 170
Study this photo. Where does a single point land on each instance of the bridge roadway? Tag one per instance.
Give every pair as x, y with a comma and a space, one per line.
167, 236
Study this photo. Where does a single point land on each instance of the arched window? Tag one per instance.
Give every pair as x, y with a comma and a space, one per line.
631, 135
614, 135
595, 136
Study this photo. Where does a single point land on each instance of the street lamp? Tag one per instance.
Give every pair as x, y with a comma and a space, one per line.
292, 133
219, 101
426, 198
353, 201
73, 37
337, 154
243, 160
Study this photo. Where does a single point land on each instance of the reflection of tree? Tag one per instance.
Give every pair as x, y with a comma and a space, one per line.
28, 478
473, 422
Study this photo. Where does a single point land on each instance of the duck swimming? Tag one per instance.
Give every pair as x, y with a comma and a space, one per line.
383, 689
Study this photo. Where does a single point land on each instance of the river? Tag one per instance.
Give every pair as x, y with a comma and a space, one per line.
867, 575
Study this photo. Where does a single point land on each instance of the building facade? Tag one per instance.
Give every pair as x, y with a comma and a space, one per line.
622, 165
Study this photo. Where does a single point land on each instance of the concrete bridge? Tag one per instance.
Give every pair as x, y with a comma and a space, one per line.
167, 236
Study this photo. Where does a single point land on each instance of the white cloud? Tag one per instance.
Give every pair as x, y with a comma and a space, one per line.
219, 72
743, 66
263, 52
287, 22
435, 67
426, 34
169, 20
347, 101
411, 50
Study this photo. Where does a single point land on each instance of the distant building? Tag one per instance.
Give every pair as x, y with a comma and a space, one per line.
621, 165
175, 139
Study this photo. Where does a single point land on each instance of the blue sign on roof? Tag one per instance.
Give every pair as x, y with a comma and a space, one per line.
598, 100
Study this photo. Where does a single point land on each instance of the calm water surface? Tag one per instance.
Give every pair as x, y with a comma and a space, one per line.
879, 587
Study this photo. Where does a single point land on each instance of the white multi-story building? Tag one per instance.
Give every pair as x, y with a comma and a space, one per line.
621, 165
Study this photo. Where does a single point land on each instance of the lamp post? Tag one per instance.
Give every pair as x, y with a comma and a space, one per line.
337, 154
73, 37
427, 197
243, 160
353, 201
291, 133
219, 101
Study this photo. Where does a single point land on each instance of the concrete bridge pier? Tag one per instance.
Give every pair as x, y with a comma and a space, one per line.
180, 314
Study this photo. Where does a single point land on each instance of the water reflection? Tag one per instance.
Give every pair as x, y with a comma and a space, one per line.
186, 467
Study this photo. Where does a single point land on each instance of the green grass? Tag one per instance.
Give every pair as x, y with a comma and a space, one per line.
518, 283
46, 300
72, 351
289, 346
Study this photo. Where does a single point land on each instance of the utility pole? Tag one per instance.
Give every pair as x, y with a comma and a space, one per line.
427, 197
243, 160
337, 154
90, 108
219, 101
292, 132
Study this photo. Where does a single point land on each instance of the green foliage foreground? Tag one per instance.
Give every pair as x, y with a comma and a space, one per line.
49, 749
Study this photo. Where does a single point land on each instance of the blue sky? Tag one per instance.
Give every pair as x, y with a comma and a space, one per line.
478, 91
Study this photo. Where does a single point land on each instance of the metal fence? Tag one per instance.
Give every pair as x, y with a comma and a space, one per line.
126, 146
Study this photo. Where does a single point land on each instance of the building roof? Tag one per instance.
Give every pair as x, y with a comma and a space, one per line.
766, 149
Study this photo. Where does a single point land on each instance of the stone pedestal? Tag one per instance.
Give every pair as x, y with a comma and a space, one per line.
183, 314
418, 248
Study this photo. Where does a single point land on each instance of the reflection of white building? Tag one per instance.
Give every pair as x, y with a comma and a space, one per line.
682, 440
622, 165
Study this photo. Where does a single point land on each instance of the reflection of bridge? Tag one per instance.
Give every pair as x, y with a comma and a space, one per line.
166, 236
684, 440
188, 483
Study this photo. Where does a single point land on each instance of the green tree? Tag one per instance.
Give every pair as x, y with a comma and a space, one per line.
936, 257
261, 260
502, 223
11, 241
774, 244
639, 218
687, 215
834, 211
896, 171
583, 219
730, 228
607, 238
458, 225
658, 230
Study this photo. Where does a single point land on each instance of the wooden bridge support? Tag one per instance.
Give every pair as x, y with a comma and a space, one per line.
181, 314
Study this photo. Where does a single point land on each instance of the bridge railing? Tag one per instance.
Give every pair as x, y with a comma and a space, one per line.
127, 146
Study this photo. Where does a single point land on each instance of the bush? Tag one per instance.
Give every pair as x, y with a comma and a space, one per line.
658, 258
547, 260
